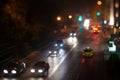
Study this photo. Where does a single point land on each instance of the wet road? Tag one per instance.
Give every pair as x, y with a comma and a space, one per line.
70, 65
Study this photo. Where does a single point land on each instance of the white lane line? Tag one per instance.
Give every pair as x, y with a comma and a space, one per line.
56, 67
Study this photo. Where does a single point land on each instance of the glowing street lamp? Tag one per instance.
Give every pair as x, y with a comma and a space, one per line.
99, 3
70, 16
58, 18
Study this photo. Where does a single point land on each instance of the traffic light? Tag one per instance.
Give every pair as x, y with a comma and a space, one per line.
81, 28
98, 13
80, 18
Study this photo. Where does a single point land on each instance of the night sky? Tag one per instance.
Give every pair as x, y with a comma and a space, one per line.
62, 4
47, 10
44, 9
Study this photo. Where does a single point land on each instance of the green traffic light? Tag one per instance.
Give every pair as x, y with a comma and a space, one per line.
79, 18
98, 13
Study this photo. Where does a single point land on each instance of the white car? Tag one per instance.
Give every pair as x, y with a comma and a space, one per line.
111, 46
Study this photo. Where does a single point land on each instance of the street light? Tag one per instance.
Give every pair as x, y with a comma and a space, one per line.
58, 18
99, 3
70, 16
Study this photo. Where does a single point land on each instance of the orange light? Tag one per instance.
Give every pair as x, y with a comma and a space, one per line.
58, 18
70, 16
99, 3
83, 53
96, 28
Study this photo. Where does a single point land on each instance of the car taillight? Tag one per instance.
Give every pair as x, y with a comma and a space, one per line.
83, 60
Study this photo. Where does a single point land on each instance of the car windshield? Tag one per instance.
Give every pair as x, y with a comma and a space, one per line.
59, 41
87, 50
40, 64
110, 45
12, 64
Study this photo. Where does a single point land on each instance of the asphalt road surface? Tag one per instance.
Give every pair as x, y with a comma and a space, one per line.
70, 65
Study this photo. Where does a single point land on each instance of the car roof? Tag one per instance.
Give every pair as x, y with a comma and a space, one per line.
11, 64
59, 40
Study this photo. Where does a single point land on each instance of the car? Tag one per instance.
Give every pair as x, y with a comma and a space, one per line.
96, 28
111, 47
13, 68
73, 34
53, 52
41, 68
59, 44
88, 52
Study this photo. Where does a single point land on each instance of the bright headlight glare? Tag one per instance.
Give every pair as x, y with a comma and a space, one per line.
70, 34
74, 34
56, 44
40, 70
5, 71
61, 45
50, 52
32, 70
13, 72
55, 51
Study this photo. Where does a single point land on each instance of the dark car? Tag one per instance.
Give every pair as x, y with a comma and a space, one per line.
59, 44
13, 68
53, 52
41, 68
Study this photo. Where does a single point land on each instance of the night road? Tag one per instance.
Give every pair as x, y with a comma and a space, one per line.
70, 65
59, 40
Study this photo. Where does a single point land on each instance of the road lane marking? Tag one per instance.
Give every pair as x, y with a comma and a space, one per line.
57, 66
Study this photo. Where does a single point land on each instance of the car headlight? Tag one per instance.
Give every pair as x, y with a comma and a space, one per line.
74, 34
50, 51
61, 45
70, 34
56, 44
5, 71
55, 51
40, 70
13, 71
32, 70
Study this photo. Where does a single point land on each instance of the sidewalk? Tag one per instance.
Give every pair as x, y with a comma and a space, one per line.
107, 55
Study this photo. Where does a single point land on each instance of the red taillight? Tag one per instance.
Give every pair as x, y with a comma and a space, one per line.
83, 60
91, 60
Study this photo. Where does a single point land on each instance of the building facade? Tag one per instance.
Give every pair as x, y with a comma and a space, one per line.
117, 13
